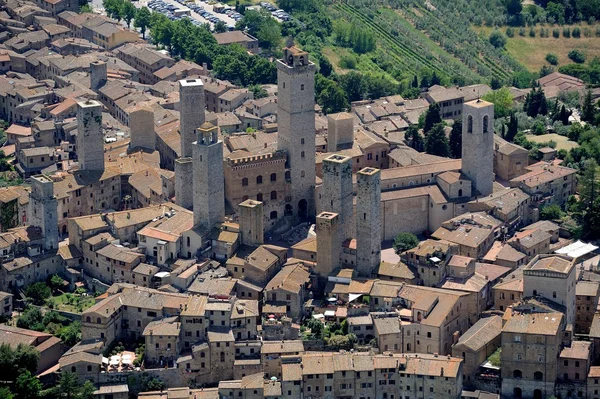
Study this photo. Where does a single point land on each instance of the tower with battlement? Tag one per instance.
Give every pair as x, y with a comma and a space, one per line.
90, 140
368, 221
209, 181
296, 127
252, 222
336, 192
191, 117
478, 145
43, 210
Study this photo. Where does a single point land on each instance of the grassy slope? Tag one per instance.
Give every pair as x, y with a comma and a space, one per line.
531, 51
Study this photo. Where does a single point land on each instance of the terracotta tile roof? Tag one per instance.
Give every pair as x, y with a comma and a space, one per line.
481, 333
290, 278
537, 323
577, 350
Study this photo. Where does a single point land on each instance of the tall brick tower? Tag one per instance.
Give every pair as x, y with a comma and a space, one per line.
90, 141
191, 117
336, 192
478, 145
296, 125
368, 221
209, 180
43, 210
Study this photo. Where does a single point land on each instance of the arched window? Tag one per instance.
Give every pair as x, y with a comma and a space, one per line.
222, 356
88, 319
517, 374
538, 376
273, 195
259, 179
259, 197
302, 154
273, 176
470, 124
302, 87
244, 181
460, 192
273, 215
202, 354
517, 393
301, 141
98, 320
485, 123
288, 175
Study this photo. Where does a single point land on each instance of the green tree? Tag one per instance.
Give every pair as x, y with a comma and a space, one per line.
433, 116
142, 20
258, 91
455, 141
31, 319
127, 12
497, 39
87, 390
316, 327
70, 334
436, 142
502, 100
415, 139
27, 386
576, 56
220, 27
588, 110
38, 293
330, 96
514, 7
113, 8
85, 8
5, 393
552, 59
551, 212
68, 387
405, 241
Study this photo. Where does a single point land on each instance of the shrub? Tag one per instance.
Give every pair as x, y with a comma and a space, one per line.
551, 212
556, 33
521, 31
348, 62
552, 59
510, 32
587, 32
598, 31
532, 32
577, 56
566, 32
576, 32
497, 39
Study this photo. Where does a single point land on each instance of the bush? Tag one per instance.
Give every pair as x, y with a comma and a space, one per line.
510, 32
497, 39
404, 242
566, 32
521, 31
556, 33
576, 32
577, 56
532, 32
587, 32
552, 59
348, 62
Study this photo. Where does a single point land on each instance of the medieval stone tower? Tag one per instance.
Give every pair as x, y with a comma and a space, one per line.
43, 210
340, 131
252, 222
336, 192
98, 74
296, 125
141, 126
90, 141
209, 180
329, 249
478, 145
191, 117
368, 221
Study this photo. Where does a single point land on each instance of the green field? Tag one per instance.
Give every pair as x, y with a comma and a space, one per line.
562, 142
531, 51
72, 302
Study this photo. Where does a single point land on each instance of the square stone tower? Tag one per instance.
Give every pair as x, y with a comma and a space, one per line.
478, 145
296, 126
43, 210
141, 125
90, 141
328, 243
191, 117
337, 192
252, 222
209, 180
98, 74
368, 221
340, 131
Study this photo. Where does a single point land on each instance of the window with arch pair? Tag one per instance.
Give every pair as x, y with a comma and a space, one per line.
485, 124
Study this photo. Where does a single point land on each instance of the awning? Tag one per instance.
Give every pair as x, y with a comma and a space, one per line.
577, 249
330, 313
354, 296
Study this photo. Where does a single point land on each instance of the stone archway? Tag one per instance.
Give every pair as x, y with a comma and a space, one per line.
303, 209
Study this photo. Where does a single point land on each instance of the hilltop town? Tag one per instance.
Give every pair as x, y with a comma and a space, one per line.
165, 233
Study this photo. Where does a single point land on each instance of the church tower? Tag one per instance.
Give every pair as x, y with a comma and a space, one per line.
209, 180
478, 145
296, 126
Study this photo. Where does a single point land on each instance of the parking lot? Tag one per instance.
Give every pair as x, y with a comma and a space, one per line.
199, 12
